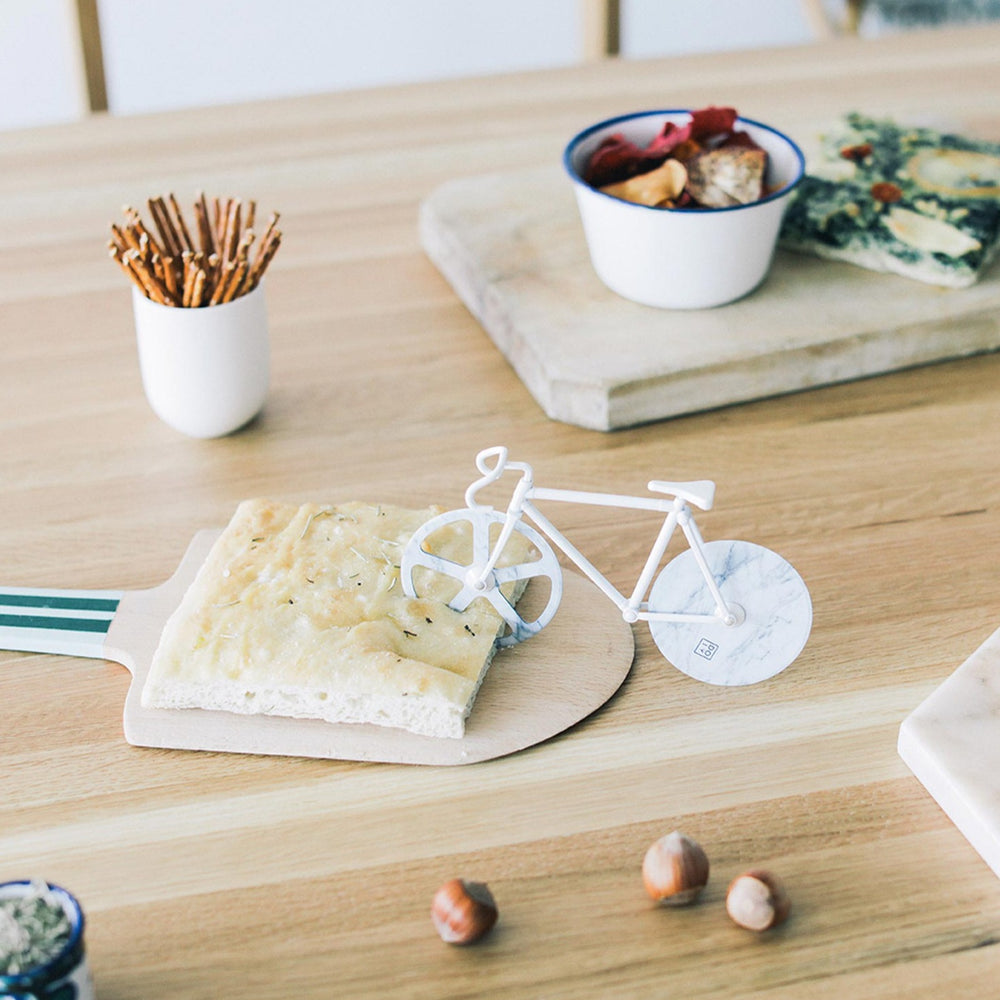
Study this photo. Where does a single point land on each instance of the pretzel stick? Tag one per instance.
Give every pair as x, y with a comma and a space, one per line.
146, 254
251, 214
272, 225
131, 215
171, 241
198, 290
225, 273
170, 278
218, 221
189, 273
212, 267
116, 255
155, 263
124, 264
263, 259
154, 284
264, 251
205, 236
139, 231
176, 246
118, 239
182, 228
231, 234
151, 284
159, 223
129, 235
235, 284
243, 248
139, 277
139, 242
200, 263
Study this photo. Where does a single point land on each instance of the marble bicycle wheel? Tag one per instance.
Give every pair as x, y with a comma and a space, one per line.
776, 602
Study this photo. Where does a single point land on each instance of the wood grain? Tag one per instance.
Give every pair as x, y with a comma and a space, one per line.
219, 876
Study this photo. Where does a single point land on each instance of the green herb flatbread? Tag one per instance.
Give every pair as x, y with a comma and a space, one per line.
913, 201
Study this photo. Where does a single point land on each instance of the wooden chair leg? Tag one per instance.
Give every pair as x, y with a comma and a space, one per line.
601, 28
852, 18
93, 54
826, 26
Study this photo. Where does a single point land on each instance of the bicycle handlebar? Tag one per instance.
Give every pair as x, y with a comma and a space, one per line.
491, 473
483, 461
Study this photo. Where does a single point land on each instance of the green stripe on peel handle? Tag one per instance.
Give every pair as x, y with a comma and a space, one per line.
55, 624
57, 601
67, 622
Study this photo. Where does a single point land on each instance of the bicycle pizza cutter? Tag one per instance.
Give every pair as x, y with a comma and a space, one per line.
723, 612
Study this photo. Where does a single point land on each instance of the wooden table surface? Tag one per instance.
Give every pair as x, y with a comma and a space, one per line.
211, 876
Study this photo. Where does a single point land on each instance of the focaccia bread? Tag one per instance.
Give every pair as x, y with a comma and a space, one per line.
913, 201
299, 611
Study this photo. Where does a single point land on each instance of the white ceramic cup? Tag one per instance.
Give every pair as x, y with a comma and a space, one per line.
681, 258
205, 371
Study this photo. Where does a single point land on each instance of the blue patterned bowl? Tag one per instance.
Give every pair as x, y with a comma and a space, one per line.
63, 976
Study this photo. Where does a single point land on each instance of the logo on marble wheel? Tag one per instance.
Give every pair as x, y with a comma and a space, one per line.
706, 649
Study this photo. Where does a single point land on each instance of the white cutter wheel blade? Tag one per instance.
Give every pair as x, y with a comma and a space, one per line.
767, 587
483, 531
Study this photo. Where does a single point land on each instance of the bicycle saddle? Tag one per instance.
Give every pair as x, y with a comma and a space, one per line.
701, 492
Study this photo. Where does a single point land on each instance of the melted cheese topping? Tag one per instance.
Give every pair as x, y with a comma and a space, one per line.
960, 173
924, 233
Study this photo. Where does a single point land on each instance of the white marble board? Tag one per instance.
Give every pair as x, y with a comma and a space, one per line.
512, 248
951, 742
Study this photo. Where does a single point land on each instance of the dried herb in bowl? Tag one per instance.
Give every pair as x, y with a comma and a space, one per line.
34, 928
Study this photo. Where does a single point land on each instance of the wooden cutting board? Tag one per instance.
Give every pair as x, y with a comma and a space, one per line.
532, 692
512, 247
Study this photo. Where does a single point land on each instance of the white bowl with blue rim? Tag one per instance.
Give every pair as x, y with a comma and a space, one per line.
681, 258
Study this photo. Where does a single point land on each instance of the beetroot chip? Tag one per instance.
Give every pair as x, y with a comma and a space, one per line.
617, 159
669, 138
712, 121
738, 140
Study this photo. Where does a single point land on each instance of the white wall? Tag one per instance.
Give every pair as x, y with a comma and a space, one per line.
672, 27
187, 52
190, 52
41, 76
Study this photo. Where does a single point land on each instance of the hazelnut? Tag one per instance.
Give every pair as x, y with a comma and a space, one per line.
675, 870
757, 900
463, 911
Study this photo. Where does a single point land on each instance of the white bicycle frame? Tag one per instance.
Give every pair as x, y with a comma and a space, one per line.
678, 514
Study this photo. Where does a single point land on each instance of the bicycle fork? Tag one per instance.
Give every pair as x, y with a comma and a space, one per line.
483, 579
